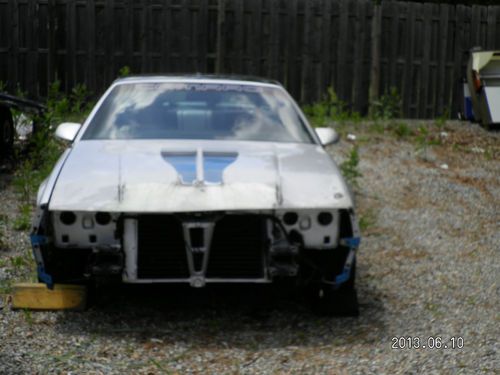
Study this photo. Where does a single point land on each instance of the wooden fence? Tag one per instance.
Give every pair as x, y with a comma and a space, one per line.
353, 45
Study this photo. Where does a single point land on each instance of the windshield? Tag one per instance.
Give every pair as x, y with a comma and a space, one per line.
197, 111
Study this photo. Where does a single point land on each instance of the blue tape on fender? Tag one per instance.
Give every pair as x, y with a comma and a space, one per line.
45, 277
352, 242
37, 240
343, 277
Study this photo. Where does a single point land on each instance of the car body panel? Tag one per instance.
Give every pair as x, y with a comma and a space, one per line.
132, 176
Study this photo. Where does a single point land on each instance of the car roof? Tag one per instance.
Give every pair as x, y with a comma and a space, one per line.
215, 78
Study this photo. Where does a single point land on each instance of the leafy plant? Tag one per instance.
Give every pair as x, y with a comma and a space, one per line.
23, 221
17, 262
124, 71
401, 130
367, 220
3, 224
441, 120
330, 108
44, 149
349, 167
388, 106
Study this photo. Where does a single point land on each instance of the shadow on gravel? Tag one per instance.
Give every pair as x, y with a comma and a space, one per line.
241, 316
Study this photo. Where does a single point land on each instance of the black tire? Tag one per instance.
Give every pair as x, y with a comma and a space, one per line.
6, 132
334, 302
327, 300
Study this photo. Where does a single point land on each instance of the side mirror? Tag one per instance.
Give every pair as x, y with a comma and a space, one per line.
68, 131
327, 136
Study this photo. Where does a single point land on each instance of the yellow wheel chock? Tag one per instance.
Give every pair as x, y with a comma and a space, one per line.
37, 296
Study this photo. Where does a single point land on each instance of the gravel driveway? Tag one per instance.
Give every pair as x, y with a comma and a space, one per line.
428, 268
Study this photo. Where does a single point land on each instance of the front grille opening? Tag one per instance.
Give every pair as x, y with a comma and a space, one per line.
237, 249
161, 248
238, 246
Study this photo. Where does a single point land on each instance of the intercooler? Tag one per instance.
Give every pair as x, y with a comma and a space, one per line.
237, 249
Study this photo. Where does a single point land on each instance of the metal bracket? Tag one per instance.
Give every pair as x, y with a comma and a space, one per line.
197, 276
353, 244
45, 277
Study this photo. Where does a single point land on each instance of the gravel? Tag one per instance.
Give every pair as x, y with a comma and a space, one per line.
428, 267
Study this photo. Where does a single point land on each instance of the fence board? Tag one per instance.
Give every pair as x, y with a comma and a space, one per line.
343, 38
358, 57
443, 42
13, 20
308, 44
306, 52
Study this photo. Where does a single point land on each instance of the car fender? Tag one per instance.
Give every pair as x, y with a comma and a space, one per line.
47, 186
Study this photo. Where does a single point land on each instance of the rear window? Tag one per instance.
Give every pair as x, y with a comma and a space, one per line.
197, 111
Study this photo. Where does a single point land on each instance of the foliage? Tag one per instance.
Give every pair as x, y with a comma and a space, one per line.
367, 220
124, 71
329, 109
23, 221
349, 167
388, 106
441, 120
43, 150
401, 130
3, 225
74, 107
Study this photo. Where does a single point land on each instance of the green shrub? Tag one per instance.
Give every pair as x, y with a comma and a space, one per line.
329, 109
388, 106
349, 168
124, 71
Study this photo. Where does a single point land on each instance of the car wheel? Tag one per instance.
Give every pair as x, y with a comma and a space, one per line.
6, 132
328, 300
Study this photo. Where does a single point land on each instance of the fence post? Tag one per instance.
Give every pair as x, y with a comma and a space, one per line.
51, 44
375, 60
219, 56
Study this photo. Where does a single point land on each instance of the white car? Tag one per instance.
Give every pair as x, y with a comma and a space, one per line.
198, 180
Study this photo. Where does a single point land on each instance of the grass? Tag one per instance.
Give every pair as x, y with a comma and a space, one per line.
3, 226
367, 220
388, 106
23, 221
330, 109
349, 168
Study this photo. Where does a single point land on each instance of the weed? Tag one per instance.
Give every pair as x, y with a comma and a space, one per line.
330, 108
44, 149
124, 71
23, 221
79, 99
367, 220
441, 120
6, 286
74, 107
17, 262
401, 130
388, 106
28, 316
158, 365
3, 224
3, 86
377, 127
349, 168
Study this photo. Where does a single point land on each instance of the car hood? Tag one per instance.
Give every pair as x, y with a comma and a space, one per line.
185, 176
